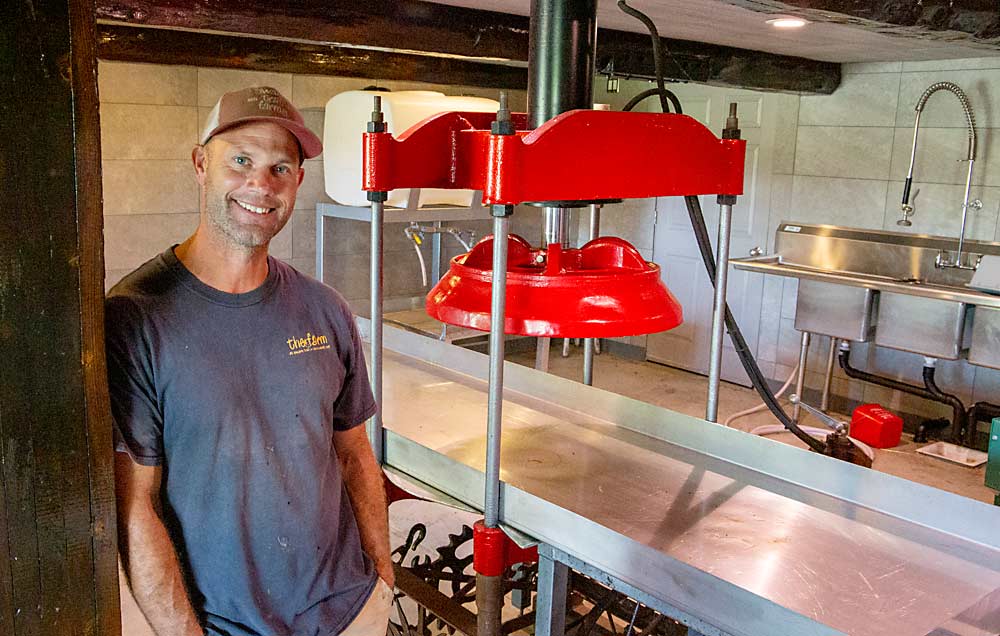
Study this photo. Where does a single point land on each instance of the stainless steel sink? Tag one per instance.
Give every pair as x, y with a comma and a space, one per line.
870, 284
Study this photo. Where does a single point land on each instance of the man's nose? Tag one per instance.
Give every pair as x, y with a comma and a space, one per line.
262, 179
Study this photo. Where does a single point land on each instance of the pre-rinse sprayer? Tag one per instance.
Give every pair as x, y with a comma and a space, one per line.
944, 259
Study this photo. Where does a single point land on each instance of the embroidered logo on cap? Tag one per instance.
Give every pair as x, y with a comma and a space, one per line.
268, 100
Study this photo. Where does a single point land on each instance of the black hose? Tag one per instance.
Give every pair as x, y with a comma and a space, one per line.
649, 92
929, 391
657, 53
957, 408
705, 248
739, 342
980, 411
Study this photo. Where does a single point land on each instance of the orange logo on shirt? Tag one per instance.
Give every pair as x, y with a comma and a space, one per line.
307, 343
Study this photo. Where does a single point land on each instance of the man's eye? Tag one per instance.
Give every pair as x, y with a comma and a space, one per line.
241, 160
282, 169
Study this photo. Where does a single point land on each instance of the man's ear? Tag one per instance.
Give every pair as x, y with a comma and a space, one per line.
198, 157
302, 174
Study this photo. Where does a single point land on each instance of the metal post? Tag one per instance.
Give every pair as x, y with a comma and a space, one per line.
491, 505
553, 586
376, 436
554, 232
542, 347
719, 312
375, 432
489, 605
831, 359
801, 380
436, 254
589, 344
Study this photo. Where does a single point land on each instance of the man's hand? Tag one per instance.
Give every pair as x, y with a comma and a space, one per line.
366, 490
386, 573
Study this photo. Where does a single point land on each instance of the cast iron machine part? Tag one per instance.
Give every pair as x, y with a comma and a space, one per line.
713, 166
837, 443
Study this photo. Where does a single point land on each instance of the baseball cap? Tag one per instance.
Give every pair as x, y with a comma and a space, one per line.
260, 103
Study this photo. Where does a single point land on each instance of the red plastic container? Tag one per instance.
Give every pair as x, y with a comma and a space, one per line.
876, 426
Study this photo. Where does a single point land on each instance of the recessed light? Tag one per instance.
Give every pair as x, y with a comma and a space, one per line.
788, 23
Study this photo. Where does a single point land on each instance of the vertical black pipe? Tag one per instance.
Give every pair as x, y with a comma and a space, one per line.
561, 49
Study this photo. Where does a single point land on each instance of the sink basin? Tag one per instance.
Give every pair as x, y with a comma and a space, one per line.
866, 285
927, 326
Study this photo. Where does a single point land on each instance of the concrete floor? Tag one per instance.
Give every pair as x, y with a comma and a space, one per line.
663, 386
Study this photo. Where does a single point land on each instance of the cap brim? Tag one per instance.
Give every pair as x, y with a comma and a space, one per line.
308, 141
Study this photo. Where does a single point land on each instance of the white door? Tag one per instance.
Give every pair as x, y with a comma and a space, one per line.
675, 250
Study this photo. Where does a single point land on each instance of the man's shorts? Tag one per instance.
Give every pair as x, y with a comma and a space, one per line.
373, 619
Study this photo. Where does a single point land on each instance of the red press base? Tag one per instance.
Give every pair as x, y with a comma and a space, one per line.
604, 289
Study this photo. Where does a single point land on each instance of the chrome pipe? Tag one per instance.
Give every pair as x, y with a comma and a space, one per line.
719, 312
590, 344
491, 504
588, 361
800, 381
556, 226
965, 214
595, 221
436, 254
375, 433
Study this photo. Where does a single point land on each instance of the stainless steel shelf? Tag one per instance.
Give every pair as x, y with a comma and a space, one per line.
746, 534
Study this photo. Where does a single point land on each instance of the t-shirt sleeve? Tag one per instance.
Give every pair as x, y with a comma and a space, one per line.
138, 420
355, 404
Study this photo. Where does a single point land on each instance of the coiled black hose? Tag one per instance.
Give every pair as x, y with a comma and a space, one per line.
705, 248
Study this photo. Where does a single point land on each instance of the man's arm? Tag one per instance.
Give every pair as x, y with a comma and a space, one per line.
148, 555
366, 490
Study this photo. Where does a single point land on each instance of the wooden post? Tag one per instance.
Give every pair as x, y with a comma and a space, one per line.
58, 571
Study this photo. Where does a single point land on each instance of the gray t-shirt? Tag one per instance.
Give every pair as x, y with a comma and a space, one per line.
237, 396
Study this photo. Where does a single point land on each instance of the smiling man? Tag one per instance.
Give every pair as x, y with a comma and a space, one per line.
249, 501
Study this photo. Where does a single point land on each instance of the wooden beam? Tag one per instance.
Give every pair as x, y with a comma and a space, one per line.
631, 54
58, 558
408, 26
970, 22
164, 46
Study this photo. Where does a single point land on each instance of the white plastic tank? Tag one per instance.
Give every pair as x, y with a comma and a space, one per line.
347, 116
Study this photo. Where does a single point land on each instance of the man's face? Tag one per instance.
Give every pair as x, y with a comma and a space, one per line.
249, 176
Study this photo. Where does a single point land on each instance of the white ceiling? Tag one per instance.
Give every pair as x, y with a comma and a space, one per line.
719, 22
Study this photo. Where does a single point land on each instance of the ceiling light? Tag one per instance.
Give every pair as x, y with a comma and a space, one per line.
788, 22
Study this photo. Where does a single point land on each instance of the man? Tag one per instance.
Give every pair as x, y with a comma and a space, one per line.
249, 501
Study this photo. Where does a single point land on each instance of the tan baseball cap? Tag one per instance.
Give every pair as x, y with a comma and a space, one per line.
260, 103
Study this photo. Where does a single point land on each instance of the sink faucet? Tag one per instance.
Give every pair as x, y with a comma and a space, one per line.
944, 259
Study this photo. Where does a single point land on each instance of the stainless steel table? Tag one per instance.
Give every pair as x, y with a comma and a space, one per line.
740, 534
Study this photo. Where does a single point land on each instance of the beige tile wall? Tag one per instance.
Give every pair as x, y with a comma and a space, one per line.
850, 154
151, 117
839, 159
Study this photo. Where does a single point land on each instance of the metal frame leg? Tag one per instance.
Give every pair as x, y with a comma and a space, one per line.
719, 312
831, 359
800, 381
553, 587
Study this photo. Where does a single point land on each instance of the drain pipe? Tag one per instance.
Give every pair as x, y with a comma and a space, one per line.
958, 425
929, 391
980, 411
